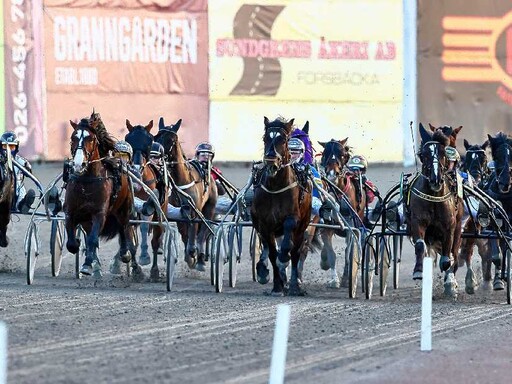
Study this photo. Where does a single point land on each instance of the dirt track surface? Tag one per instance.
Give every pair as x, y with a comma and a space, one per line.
63, 330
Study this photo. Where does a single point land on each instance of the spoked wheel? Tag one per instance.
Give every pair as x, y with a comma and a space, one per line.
369, 265
353, 256
235, 248
508, 269
80, 234
210, 251
56, 245
171, 254
221, 252
384, 263
31, 251
397, 257
255, 251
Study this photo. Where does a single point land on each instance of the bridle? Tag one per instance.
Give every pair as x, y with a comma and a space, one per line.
276, 133
87, 154
436, 166
478, 162
331, 157
506, 167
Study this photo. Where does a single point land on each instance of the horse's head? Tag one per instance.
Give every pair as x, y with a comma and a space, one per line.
475, 162
303, 135
140, 138
168, 136
275, 140
448, 131
84, 145
500, 149
335, 155
433, 157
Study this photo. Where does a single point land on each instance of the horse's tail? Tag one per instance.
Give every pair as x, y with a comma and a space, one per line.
110, 229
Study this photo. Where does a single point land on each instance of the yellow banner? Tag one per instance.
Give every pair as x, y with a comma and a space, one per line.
316, 50
236, 128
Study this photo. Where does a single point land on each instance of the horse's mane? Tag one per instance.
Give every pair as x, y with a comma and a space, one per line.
105, 140
279, 122
304, 137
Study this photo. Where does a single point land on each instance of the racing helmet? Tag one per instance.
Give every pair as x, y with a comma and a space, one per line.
157, 150
10, 139
296, 145
205, 147
452, 154
124, 147
358, 162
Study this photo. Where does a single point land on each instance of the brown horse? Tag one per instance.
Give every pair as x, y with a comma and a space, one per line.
448, 131
141, 139
201, 188
98, 195
335, 156
281, 207
6, 194
434, 211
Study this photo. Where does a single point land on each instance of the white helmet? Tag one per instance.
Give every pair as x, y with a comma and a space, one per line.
296, 145
124, 147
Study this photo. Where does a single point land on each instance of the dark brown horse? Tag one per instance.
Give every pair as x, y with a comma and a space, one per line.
448, 131
281, 207
434, 211
475, 165
335, 156
6, 194
201, 188
141, 139
98, 195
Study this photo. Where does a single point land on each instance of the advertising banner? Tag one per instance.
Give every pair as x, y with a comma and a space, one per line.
465, 66
23, 74
134, 62
340, 61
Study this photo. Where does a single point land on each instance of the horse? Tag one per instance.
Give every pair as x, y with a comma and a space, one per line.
448, 131
499, 188
281, 207
98, 195
200, 187
335, 156
434, 211
6, 194
475, 164
141, 139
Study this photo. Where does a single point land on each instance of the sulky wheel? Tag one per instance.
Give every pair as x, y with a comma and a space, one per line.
255, 251
171, 254
235, 247
369, 265
353, 255
508, 269
221, 253
31, 251
384, 263
210, 252
57, 240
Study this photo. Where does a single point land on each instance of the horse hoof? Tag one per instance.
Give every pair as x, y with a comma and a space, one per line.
86, 270
296, 290
277, 293
97, 274
144, 259
486, 285
324, 265
191, 261
450, 291
138, 275
344, 282
334, 283
444, 263
4, 242
126, 257
154, 275
201, 266
498, 285
417, 275
263, 274
470, 290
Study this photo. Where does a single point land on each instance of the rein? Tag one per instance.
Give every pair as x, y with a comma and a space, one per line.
292, 185
431, 198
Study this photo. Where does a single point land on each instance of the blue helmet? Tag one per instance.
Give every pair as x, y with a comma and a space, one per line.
9, 139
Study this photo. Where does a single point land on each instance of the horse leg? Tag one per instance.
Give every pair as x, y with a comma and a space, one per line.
128, 249
484, 249
283, 256
156, 242
144, 258
262, 271
295, 286
328, 260
72, 244
451, 245
306, 246
278, 289
420, 251
471, 281
191, 248
92, 244
5, 214
201, 240
497, 284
